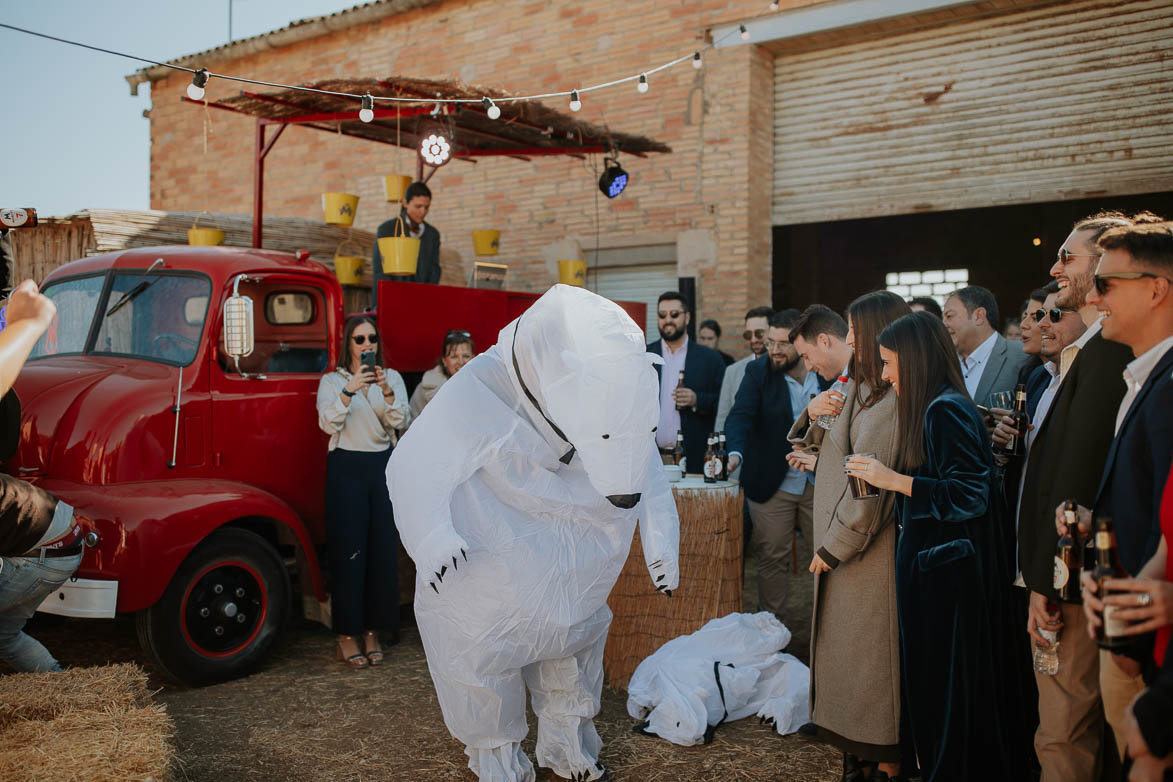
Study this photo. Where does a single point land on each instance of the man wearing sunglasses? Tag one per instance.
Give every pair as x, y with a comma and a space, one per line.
1133, 293
756, 323
690, 408
1068, 448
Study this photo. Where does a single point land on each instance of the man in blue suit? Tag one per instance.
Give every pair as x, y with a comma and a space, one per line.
1133, 292
774, 391
690, 407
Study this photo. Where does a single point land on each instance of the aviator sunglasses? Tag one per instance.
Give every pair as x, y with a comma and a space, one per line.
1055, 314
755, 334
360, 339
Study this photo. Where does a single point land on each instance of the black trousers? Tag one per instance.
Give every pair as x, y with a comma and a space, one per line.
362, 543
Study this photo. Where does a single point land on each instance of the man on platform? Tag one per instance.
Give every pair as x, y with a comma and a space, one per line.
775, 390
687, 407
417, 200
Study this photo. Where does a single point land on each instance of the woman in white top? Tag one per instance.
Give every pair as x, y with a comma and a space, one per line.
360, 405
458, 350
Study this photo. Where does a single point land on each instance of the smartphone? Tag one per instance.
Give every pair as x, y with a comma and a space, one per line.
367, 360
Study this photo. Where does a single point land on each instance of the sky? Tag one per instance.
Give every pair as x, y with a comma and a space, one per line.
72, 135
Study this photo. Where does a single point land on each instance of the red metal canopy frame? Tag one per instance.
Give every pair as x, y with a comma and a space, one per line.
525, 129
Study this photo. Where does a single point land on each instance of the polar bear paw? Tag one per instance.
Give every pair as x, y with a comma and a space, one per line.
665, 575
596, 772
442, 553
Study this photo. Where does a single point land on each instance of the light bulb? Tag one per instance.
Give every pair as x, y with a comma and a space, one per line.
367, 112
575, 103
491, 108
199, 79
774, 5
744, 33
642, 86
696, 60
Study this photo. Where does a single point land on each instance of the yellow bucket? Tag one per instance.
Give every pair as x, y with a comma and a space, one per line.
400, 253
348, 268
395, 185
572, 273
484, 241
203, 237
339, 208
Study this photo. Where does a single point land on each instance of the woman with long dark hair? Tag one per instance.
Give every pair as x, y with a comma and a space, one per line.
951, 583
360, 405
855, 655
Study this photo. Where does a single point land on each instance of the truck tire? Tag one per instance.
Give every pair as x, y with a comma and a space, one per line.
221, 612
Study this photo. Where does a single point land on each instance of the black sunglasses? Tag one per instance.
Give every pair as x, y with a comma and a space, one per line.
360, 339
1101, 280
1055, 314
755, 334
1064, 255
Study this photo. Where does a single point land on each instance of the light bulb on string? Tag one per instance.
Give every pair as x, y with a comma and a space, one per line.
367, 112
774, 5
696, 60
575, 103
744, 33
491, 108
642, 86
199, 79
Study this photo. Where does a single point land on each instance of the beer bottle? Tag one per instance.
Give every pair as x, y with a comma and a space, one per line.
1109, 633
678, 451
1068, 556
679, 384
1017, 444
18, 218
722, 458
711, 460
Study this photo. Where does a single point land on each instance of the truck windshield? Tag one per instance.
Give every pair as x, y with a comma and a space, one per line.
158, 317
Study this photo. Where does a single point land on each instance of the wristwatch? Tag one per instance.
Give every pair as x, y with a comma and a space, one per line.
348, 393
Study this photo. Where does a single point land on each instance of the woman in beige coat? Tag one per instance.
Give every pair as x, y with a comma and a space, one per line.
855, 642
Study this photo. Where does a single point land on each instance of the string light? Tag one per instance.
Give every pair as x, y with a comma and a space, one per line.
696, 60
435, 150
491, 108
575, 103
367, 112
744, 32
774, 6
642, 86
199, 80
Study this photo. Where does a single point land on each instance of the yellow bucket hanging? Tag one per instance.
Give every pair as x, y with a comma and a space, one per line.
339, 208
395, 185
572, 273
400, 253
485, 240
203, 237
348, 268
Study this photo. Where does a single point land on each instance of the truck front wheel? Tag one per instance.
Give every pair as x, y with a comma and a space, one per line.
221, 611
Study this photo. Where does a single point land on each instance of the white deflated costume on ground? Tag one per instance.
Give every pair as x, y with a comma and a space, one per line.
517, 492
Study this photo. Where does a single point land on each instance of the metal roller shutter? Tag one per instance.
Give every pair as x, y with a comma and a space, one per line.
635, 283
1053, 103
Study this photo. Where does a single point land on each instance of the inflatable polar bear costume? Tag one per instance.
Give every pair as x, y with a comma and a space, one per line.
516, 493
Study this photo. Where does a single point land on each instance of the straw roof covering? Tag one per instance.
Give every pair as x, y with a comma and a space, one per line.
524, 128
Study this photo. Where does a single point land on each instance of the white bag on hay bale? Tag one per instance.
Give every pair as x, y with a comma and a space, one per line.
729, 669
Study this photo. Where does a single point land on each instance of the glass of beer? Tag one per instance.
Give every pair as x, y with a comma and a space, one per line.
861, 489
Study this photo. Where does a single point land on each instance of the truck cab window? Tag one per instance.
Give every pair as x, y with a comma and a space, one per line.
289, 328
77, 301
148, 316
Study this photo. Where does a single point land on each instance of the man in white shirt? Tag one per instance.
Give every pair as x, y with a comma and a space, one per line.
989, 361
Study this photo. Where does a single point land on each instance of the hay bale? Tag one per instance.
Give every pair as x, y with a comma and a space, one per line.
107, 689
710, 582
90, 746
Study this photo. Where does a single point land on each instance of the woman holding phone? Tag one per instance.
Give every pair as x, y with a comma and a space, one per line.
360, 405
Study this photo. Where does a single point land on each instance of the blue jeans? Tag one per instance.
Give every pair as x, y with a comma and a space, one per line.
24, 583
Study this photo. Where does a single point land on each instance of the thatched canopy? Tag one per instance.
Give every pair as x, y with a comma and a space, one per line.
524, 129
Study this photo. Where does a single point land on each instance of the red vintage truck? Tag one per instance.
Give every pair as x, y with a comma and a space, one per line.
194, 447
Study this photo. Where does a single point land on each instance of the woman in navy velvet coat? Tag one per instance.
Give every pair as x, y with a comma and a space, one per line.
951, 583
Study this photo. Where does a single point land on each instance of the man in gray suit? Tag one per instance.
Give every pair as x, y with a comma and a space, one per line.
989, 361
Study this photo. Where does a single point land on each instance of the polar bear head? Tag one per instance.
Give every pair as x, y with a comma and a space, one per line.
585, 363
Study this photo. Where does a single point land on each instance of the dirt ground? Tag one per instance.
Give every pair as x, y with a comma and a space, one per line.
304, 716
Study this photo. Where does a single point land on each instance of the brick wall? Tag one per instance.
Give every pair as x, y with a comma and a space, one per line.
718, 121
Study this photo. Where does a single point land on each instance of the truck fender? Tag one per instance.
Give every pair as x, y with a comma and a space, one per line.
147, 529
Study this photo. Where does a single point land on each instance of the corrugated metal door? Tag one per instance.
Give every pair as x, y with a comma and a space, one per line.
635, 283
1059, 102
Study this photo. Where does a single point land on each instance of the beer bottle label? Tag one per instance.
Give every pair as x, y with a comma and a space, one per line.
717, 466
1062, 574
1104, 540
1113, 626
709, 471
13, 218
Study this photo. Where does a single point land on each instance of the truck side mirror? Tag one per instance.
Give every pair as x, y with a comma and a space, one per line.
239, 339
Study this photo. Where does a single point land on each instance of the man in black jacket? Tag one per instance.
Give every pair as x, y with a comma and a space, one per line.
417, 200
1065, 462
773, 393
690, 408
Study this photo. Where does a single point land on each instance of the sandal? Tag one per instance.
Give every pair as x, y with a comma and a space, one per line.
371, 638
357, 660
